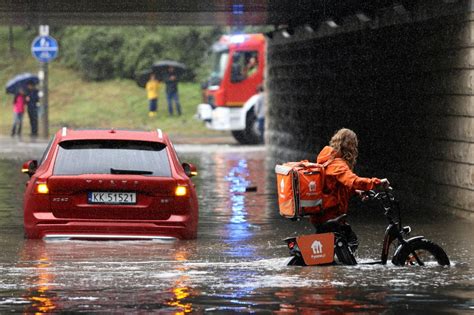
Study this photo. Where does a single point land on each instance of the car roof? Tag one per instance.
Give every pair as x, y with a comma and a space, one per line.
67, 134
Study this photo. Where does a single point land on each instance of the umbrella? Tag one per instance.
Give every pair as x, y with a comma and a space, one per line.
142, 78
160, 68
20, 80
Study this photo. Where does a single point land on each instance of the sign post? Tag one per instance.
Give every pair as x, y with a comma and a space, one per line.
44, 48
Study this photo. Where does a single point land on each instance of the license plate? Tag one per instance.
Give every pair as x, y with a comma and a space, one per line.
117, 198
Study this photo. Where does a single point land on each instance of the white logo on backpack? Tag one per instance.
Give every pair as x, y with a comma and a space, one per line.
317, 247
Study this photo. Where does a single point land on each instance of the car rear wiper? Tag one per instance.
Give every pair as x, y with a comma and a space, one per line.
132, 172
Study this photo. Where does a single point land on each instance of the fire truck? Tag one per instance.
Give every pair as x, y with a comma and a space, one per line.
229, 96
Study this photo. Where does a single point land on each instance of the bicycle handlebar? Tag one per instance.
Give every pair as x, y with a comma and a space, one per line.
386, 199
372, 194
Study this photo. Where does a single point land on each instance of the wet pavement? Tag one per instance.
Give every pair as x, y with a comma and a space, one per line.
237, 264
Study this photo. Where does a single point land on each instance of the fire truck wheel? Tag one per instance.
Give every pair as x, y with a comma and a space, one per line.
239, 135
251, 134
251, 129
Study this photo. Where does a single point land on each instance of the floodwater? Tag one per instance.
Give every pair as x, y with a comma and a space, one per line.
237, 264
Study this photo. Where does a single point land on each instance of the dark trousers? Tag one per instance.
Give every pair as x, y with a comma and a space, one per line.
33, 115
170, 97
153, 104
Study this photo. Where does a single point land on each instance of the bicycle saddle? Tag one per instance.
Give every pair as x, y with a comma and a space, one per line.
336, 220
331, 225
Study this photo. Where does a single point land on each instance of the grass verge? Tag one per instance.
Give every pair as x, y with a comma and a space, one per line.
76, 103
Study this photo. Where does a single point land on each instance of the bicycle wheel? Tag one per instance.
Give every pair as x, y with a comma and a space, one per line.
427, 252
344, 255
296, 261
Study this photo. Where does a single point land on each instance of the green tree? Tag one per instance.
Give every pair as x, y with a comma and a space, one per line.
101, 53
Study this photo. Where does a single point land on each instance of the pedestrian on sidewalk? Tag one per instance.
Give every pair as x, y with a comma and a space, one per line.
19, 102
32, 100
153, 89
172, 91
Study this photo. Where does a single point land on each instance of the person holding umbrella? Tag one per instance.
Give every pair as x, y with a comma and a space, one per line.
171, 81
168, 71
16, 86
32, 100
152, 88
19, 102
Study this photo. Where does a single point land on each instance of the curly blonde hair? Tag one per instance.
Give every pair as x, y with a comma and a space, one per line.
345, 143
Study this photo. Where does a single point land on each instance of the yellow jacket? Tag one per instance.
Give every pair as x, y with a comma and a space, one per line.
152, 89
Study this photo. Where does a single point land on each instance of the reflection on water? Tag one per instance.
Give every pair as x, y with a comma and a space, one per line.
235, 265
237, 227
180, 290
180, 293
40, 294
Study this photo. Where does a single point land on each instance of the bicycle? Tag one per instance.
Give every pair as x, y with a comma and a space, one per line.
409, 251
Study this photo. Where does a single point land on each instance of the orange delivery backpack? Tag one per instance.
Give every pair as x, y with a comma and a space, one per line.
300, 188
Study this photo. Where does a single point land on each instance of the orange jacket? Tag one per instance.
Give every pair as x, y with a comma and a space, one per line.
339, 185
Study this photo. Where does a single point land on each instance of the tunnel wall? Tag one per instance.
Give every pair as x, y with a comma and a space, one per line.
403, 82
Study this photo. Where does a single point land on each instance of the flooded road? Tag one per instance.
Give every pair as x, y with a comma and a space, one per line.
235, 265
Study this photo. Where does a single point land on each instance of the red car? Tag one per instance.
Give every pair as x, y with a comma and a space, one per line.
110, 184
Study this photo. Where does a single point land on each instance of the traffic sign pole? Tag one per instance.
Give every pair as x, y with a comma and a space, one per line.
44, 31
44, 48
44, 100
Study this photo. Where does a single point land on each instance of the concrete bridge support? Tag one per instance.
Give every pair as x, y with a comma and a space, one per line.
403, 81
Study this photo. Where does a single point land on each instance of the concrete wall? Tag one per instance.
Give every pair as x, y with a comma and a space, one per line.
403, 82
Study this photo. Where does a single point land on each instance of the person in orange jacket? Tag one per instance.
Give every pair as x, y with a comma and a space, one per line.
341, 182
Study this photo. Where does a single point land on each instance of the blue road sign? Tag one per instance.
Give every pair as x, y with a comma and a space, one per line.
44, 48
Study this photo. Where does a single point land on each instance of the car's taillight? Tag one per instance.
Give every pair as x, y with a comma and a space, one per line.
181, 191
42, 188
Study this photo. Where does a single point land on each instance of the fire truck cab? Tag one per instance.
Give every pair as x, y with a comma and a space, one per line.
238, 65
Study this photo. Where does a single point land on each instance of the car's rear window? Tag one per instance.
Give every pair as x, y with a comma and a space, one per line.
112, 157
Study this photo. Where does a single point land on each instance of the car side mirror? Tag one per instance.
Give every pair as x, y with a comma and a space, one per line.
29, 167
190, 169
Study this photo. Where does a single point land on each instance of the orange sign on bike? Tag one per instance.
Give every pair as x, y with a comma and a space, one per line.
317, 249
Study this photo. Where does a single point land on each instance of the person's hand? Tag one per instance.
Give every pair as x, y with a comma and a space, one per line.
384, 184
